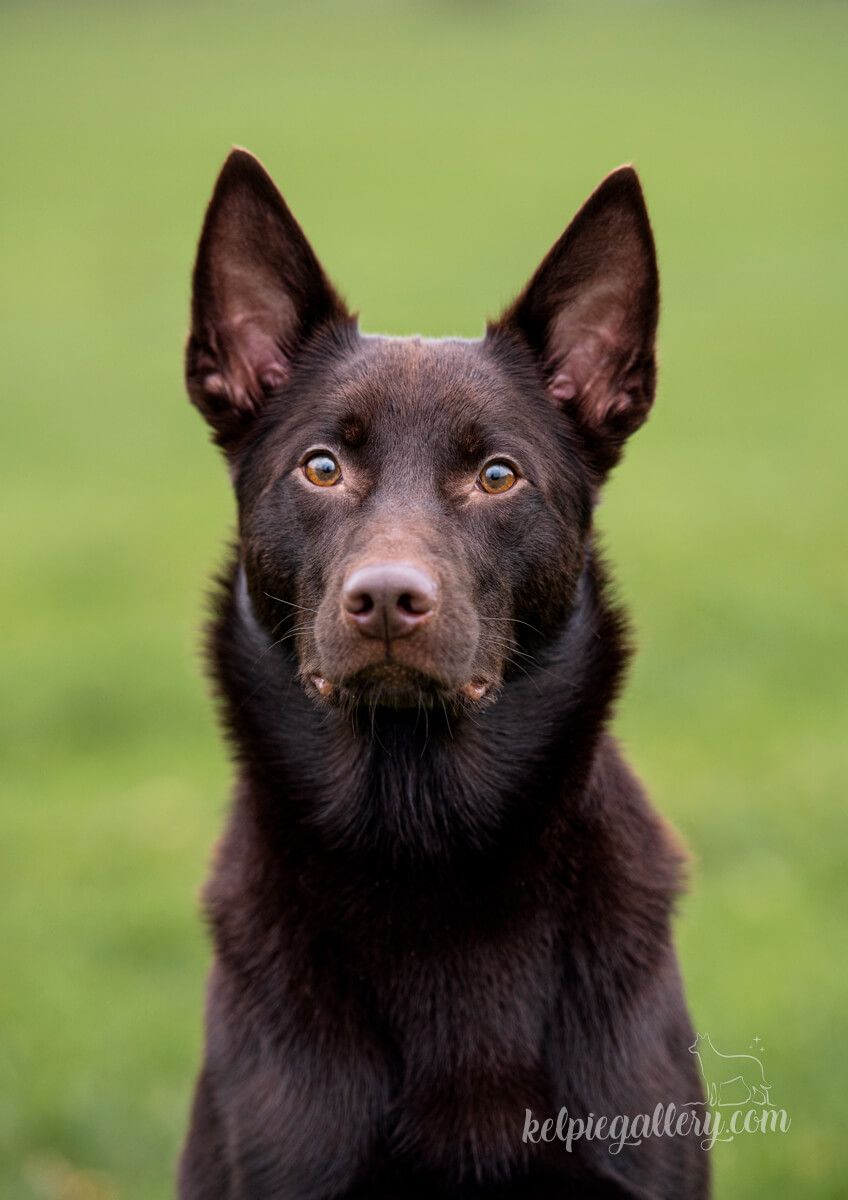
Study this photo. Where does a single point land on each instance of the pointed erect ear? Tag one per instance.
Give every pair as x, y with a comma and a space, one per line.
589, 315
259, 293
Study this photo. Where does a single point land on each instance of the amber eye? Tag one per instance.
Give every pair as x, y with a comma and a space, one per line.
322, 470
497, 477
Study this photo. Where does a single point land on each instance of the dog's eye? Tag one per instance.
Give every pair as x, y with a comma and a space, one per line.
322, 470
497, 477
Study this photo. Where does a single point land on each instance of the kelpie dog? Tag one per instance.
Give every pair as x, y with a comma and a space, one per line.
441, 907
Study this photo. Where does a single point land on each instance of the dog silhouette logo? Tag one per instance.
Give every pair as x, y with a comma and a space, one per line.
731, 1080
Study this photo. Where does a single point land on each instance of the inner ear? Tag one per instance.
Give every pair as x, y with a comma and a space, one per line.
259, 294
589, 314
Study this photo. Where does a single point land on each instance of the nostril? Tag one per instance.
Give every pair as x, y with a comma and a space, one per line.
358, 599
359, 603
415, 604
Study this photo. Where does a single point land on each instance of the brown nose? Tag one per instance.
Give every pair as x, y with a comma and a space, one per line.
388, 600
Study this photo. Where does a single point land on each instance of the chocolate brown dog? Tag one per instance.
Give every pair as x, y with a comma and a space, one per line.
441, 907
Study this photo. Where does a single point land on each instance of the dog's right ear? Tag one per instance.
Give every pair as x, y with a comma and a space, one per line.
259, 294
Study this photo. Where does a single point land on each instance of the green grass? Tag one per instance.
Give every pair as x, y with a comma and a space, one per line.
432, 152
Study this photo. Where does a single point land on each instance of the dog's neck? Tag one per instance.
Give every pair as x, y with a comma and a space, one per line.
424, 782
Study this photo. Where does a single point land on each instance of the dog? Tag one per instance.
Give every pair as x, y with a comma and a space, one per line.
441, 907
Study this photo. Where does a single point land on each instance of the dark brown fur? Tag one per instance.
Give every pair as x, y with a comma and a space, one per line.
442, 898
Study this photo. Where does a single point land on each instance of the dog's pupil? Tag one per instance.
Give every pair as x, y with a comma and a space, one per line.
322, 469
498, 477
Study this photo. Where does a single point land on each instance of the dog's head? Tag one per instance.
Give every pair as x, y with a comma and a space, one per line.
413, 514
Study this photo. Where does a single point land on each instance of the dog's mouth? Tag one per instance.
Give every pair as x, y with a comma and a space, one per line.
395, 685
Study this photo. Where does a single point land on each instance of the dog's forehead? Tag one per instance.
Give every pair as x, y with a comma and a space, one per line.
420, 383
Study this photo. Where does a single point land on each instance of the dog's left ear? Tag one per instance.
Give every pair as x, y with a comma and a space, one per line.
589, 315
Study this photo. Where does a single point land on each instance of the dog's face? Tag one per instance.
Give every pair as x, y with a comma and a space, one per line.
413, 513
414, 503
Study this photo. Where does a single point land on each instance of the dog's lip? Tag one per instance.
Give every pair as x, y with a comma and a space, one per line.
388, 675
399, 678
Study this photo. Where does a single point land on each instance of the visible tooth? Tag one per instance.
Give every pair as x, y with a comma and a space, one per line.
475, 690
323, 685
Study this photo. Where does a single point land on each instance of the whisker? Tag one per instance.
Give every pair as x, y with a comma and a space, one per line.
302, 607
514, 621
447, 718
286, 636
426, 723
524, 671
513, 646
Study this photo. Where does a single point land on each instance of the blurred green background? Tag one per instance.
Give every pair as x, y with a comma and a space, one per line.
432, 152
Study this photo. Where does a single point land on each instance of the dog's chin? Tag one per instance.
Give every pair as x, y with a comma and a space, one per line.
394, 685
